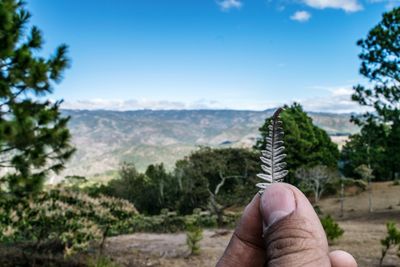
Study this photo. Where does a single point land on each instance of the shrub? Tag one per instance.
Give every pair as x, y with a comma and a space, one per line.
64, 217
64, 220
332, 228
169, 223
231, 219
391, 240
206, 220
157, 224
194, 234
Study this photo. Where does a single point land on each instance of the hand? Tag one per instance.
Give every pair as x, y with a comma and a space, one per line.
281, 228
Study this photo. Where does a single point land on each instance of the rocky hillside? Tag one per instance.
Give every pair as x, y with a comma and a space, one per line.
106, 138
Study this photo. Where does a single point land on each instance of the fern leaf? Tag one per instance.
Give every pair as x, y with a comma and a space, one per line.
273, 156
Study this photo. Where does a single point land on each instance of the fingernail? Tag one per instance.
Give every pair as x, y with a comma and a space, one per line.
277, 202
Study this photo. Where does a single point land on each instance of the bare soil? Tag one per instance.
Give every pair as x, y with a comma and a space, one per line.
363, 232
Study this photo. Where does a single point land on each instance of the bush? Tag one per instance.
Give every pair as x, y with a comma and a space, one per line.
61, 216
170, 223
231, 218
332, 228
194, 234
391, 240
157, 224
65, 221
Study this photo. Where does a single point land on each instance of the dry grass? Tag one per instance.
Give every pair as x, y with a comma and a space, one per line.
363, 231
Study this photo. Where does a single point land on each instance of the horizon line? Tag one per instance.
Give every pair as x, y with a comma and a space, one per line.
201, 109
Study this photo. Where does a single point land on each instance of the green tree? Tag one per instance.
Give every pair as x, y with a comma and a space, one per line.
193, 187
135, 187
200, 174
392, 239
366, 174
316, 179
366, 148
149, 192
380, 64
163, 187
306, 144
34, 139
331, 228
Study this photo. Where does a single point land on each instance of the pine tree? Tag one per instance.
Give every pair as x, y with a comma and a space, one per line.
34, 139
306, 144
368, 147
380, 64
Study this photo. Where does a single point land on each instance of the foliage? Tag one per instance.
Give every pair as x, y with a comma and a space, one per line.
192, 187
192, 184
380, 63
391, 240
332, 228
173, 223
148, 191
367, 148
316, 178
63, 216
365, 172
202, 171
34, 138
273, 164
336, 184
194, 234
75, 180
214, 206
306, 144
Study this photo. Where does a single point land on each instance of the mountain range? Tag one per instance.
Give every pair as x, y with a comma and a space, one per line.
105, 138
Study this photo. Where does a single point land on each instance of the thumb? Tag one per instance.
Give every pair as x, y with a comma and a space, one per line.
292, 231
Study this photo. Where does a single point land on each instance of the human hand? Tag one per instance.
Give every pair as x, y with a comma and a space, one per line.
293, 234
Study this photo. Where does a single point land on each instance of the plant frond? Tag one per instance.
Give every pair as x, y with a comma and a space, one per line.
273, 156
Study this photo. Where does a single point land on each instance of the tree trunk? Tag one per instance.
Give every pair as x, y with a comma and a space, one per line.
341, 198
316, 199
369, 196
220, 217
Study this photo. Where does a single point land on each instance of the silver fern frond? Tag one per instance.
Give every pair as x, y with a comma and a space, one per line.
273, 156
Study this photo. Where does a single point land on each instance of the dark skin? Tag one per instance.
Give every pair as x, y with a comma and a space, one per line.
281, 228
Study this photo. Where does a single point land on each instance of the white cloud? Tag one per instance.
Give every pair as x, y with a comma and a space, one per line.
116, 104
341, 91
226, 5
346, 5
301, 16
338, 100
134, 104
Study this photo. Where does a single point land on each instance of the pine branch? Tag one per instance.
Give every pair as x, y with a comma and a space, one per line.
273, 156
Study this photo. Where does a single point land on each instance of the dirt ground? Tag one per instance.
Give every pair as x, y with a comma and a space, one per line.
363, 231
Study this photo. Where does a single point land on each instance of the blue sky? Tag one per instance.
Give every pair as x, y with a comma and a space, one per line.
241, 54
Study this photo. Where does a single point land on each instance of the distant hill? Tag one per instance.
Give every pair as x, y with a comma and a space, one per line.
106, 138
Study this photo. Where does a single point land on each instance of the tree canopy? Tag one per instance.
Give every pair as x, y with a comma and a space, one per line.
380, 64
379, 138
34, 139
306, 144
202, 171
